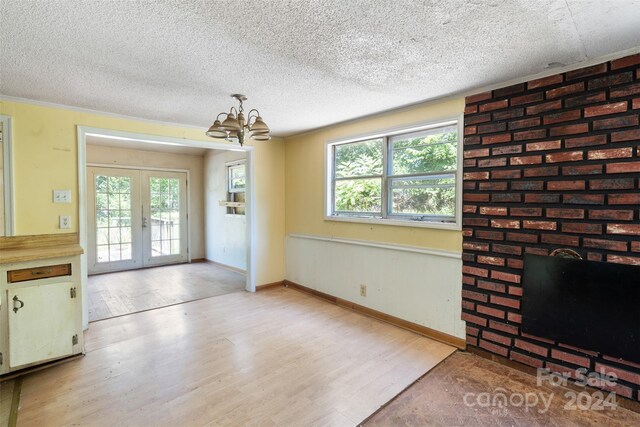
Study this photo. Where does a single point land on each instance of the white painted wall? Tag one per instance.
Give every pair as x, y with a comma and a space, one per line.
117, 156
419, 285
226, 235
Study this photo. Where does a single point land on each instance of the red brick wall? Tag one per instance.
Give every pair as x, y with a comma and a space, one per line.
550, 163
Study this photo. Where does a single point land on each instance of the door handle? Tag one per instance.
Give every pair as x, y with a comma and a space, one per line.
144, 221
16, 301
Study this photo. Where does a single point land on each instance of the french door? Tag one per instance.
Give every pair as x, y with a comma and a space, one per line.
137, 218
164, 217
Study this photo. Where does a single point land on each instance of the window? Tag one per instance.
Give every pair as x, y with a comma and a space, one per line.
237, 181
113, 218
409, 175
236, 188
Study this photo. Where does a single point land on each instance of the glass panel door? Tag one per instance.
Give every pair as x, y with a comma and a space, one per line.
164, 219
114, 234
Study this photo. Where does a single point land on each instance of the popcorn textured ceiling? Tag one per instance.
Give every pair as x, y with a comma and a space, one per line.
304, 64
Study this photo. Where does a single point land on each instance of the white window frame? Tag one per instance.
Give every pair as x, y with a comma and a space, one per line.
7, 168
395, 219
231, 165
228, 166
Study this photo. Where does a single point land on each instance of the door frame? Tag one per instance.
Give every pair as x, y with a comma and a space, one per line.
84, 131
147, 234
150, 169
92, 224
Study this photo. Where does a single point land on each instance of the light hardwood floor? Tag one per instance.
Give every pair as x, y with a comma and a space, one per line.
125, 292
277, 357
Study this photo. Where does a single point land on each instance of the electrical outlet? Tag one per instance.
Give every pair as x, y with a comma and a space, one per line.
363, 290
61, 196
65, 221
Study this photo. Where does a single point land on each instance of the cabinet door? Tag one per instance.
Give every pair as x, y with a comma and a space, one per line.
43, 326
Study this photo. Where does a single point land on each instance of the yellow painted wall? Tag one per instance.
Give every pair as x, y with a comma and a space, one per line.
45, 158
269, 211
304, 180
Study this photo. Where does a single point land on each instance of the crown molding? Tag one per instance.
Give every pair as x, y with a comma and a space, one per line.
426, 102
98, 112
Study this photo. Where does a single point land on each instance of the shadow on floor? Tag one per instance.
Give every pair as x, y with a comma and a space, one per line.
9, 399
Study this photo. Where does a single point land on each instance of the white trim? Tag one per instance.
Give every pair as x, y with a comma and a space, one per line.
228, 166
146, 168
147, 256
424, 102
227, 267
395, 222
162, 140
396, 130
251, 229
8, 181
459, 172
82, 222
149, 168
328, 167
83, 131
381, 133
90, 111
403, 248
234, 163
415, 284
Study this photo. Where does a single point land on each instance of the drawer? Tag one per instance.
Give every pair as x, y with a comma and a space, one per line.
36, 273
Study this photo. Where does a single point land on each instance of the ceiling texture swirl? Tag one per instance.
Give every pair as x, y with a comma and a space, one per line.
304, 64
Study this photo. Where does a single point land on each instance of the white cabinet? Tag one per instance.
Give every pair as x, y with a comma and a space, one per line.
42, 322
40, 312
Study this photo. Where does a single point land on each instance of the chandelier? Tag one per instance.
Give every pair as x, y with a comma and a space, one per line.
234, 127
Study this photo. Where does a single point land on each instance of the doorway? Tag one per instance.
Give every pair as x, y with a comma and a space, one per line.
136, 218
138, 174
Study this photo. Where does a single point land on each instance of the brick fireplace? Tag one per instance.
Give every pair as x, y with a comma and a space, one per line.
550, 163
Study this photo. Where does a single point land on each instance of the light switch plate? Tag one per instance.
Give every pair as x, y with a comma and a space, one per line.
65, 221
61, 196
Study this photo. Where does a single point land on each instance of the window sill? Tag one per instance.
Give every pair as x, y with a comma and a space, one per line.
397, 222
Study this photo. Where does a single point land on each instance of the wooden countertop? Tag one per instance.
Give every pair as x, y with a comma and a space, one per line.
31, 248
31, 254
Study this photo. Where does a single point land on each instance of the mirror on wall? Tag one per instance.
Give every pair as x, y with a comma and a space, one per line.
6, 178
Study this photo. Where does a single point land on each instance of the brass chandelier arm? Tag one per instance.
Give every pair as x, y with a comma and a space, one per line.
234, 124
254, 116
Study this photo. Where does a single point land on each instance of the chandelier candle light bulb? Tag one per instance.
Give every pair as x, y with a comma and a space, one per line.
232, 128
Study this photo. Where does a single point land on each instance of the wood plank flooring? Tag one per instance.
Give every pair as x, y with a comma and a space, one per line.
125, 292
277, 357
